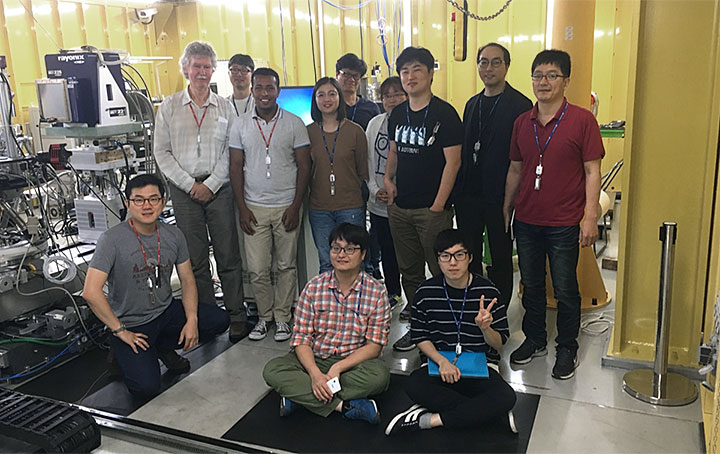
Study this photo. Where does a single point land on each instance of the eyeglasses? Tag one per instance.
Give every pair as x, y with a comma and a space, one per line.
348, 250
459, 256
495, 62
353, 76
140, 201
396, 95
537, 77
240, 70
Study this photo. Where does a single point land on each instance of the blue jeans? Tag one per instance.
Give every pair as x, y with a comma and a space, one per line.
323, 221
141, 371
560, 246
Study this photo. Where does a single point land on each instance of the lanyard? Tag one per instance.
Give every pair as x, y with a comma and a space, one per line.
352, 118
537, 139
268, 161
331, 156
357, 308
237, 112
407, 113
198, 123
142, 249
489, 116
458, 322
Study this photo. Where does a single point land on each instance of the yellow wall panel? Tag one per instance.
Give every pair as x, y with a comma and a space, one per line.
94, 22
71, 27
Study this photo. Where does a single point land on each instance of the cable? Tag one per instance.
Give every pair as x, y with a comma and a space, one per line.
605, 321
475, 16
312, 40
30, 12
32, 340
80, 180
105, 372
42, 366
44, 290
349, 8
282, 42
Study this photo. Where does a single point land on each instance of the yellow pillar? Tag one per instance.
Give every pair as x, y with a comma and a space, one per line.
670, 165
573, 31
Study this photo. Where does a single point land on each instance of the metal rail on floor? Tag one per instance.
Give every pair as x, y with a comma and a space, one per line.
154, 435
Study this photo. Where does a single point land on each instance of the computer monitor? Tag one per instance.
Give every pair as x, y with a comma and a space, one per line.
297, 100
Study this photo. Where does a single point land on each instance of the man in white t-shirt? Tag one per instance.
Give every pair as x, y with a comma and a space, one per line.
240, 68
270, 170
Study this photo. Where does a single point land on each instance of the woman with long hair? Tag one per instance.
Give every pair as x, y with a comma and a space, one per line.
339, 152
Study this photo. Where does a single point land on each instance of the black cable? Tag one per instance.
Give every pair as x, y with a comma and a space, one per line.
80, 180
147, 89
9, 116
312, 40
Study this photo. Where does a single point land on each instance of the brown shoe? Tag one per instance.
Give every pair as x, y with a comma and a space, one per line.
239, 331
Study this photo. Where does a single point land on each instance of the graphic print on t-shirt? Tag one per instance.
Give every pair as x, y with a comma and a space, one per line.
382, 144
412, 136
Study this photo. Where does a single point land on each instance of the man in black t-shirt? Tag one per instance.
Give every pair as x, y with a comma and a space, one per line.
480, 189
425, 142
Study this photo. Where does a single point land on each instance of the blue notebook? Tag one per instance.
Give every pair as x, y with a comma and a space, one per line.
471, 364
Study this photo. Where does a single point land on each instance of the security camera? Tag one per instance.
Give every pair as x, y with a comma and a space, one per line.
146, 14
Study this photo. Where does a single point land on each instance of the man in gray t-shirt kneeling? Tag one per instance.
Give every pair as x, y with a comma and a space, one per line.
136, 259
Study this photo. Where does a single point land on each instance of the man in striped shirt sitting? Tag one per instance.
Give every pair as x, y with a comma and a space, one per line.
457, 311
342, 321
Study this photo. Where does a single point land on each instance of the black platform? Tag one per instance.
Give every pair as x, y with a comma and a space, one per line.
305, 432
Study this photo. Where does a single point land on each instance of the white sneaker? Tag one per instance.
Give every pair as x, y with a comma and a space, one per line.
259, 332
282, 331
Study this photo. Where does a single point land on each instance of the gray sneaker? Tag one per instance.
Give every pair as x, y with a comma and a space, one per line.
282, 331
260, 331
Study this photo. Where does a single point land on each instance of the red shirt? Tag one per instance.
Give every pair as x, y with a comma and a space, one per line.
561, 198
333, 324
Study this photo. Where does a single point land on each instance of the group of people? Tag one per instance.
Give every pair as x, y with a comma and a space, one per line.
508, 167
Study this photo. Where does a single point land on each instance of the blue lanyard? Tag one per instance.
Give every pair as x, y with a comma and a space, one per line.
327, 150
458, 323
537, 139
407, 113
357, 308
354, 110
489, 116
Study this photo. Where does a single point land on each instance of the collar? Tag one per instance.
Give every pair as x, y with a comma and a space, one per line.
212, 99
355, 286
534, 111
482, 93
278, 114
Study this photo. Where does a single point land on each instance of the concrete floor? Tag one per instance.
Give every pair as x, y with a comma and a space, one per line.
588, 413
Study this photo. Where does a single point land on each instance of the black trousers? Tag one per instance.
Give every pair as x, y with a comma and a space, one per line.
467, 403
473, 216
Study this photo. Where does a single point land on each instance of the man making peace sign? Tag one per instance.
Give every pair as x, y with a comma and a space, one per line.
456, 311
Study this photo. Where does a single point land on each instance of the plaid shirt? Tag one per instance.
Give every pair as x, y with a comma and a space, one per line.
333, 324
175, 140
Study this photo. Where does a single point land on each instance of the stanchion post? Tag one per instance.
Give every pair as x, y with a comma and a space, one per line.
658, 386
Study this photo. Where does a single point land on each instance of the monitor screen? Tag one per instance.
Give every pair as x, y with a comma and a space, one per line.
297, 100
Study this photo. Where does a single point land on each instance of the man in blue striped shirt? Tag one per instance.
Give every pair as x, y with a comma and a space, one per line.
456, 311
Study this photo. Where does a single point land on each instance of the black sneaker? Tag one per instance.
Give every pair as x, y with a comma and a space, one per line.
405, 314
404, 344
526, 352
407, 421
174, 362
565, 364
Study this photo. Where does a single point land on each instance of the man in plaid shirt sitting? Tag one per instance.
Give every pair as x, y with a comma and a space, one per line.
342, 321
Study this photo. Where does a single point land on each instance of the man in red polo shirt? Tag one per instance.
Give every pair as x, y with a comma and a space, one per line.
554, 179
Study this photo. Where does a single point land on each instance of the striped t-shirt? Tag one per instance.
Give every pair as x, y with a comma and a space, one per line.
432, 318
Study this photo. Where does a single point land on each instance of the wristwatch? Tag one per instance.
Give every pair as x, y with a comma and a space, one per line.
119, 330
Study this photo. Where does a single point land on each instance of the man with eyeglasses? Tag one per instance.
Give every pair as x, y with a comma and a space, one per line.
270, 169
349, 69
136, 258
191, 149
553, 183
480, 189
240, 69
342, 321
456, 312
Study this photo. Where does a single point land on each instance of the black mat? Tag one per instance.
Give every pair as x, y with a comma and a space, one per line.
305, 432
85, 379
